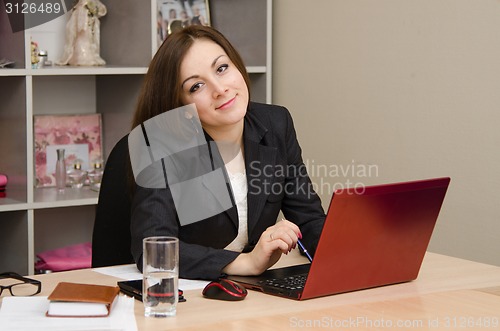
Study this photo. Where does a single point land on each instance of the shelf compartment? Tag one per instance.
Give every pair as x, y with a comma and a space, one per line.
13, 134
12, 44
13, 241
59, 227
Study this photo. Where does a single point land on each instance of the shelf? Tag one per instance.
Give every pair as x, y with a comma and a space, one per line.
257, 69
75, 71
36, 219
107, 70
6, 72
87, 71
49, 197
15, 199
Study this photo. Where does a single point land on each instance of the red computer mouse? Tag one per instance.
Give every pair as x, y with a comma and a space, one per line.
225, 289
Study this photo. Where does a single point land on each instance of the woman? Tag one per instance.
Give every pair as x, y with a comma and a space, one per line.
198, 65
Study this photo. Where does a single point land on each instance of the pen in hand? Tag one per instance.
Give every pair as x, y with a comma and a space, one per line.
301, 245
304, 250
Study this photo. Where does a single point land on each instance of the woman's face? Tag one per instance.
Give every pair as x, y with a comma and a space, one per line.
211, 81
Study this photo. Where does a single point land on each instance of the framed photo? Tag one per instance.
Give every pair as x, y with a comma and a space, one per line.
79, 135
174, 15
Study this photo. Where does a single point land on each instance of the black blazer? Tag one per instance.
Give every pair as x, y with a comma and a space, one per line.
277, 180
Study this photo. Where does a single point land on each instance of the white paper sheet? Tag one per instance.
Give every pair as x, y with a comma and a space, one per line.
126, 271
28, 313
130, 272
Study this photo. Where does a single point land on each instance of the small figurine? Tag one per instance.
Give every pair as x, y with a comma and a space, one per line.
82, 45
34, 55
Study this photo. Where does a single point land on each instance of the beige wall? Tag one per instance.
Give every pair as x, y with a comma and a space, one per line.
409, 87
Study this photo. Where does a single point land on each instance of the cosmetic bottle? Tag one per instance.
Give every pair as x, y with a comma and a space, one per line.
60, 171
76, 175
95, 175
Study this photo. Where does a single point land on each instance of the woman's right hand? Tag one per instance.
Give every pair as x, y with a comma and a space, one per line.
278, 239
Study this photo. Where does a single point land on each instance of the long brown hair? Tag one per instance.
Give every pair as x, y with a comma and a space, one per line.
161, 90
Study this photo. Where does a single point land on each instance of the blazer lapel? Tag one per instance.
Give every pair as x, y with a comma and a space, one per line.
259, 161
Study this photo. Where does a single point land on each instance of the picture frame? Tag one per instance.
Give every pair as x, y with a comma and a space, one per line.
173, 15
80, 135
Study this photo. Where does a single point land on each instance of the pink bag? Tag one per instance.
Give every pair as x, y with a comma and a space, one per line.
66, 258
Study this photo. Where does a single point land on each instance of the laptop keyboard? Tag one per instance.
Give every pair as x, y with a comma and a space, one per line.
295, 282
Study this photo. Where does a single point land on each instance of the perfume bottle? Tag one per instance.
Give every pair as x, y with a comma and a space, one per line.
95, 175
76, 175
60, 171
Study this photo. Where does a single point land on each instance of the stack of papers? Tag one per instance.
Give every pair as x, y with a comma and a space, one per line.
130, 272
28, 313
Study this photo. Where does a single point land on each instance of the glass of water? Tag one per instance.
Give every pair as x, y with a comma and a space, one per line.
160, 283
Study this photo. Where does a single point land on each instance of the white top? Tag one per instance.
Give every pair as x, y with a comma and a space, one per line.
240, 189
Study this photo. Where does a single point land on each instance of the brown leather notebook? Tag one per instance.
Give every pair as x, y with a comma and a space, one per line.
81, 300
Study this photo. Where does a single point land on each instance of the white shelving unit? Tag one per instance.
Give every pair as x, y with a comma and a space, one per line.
36, 219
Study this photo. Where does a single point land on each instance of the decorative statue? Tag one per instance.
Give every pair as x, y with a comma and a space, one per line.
34, 54
83, 35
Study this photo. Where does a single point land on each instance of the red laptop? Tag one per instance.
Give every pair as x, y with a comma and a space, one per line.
371, 237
